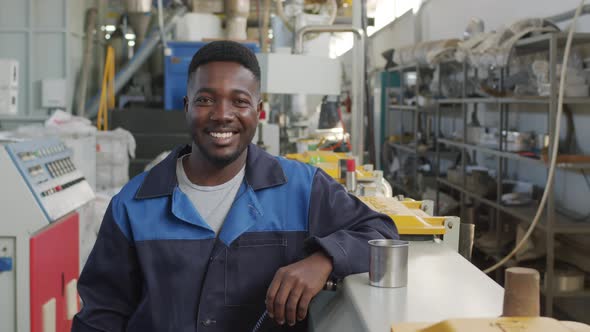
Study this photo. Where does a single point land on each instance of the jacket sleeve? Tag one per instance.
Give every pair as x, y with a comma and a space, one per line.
110, 283
341, 225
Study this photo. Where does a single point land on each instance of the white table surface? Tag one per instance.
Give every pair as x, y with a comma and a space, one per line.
441, 285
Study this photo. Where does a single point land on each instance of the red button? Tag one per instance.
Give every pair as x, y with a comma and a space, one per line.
58, 188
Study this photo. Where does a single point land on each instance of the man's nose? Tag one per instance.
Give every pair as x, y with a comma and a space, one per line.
222, 112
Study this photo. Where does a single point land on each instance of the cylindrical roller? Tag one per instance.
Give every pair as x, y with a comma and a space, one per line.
521, 293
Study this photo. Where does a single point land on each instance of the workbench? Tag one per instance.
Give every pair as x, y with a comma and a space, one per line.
441, 285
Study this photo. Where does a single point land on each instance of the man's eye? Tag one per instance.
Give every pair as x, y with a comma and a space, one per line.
203, 100
242, 102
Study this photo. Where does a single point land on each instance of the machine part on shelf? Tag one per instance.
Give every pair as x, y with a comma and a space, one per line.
555, 147
237, 12
86, 60
358, 97
521, 293
426, 53
495, 49
466, 239
567, 280
572, 215
142, 55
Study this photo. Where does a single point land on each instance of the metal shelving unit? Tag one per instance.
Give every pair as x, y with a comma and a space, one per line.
552, 223
512, 100
400, 108
397, 114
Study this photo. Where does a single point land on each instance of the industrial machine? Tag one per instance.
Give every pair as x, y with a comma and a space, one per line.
39, 235
415, 220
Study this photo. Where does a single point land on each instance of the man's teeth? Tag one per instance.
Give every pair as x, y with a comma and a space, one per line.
222, 135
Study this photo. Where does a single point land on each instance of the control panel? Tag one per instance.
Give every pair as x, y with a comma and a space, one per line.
47, 168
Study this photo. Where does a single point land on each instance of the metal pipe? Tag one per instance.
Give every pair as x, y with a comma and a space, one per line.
91, 15
358, 81
161, 23
568, 15
141, 56
236, 12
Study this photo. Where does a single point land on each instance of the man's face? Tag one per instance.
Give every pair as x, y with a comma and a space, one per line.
222, 105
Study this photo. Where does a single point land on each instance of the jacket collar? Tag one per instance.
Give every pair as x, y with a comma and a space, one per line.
262, 171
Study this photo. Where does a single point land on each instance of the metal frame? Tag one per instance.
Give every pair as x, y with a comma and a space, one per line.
548, 223
402, 108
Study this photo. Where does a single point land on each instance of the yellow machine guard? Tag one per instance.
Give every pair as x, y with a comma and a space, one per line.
407, 215
328, 162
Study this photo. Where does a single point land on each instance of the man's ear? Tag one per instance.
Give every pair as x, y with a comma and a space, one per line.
185, 101
260, 107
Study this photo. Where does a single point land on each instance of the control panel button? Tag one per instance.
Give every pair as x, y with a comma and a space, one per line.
5, 264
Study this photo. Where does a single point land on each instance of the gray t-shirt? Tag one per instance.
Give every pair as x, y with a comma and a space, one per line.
212, 202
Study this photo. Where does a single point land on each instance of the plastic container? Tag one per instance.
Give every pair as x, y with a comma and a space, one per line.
176, 63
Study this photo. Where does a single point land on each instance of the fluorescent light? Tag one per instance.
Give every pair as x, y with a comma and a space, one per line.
110, 28
131, 43
130, 36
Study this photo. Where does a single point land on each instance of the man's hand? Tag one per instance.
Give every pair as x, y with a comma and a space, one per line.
295, 285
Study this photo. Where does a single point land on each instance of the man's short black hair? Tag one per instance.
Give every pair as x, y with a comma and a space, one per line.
225, 50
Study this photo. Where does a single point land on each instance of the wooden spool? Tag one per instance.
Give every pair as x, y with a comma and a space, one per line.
521, 293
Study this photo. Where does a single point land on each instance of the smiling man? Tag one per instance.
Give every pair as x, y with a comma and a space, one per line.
221, 231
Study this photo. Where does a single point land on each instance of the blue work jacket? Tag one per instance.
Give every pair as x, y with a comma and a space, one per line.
158, 266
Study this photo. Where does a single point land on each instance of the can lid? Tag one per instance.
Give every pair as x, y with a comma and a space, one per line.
350, 165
